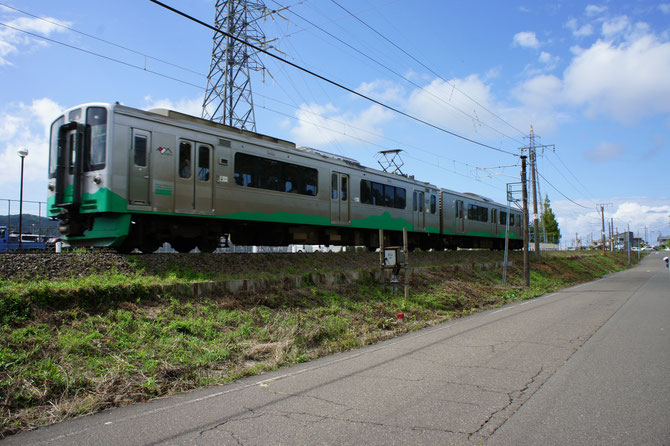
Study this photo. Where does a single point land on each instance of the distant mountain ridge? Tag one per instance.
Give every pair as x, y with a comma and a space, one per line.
32, 224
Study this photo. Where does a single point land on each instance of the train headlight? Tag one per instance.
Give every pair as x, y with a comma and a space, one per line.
97, 179
51, 187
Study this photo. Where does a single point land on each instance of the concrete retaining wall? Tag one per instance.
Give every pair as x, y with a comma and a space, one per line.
326, 280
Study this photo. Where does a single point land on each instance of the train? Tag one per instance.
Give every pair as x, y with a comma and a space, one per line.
130, 179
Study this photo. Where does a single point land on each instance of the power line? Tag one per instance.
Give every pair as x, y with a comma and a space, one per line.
100, 55
566, 197
424, 66
102, 40
261, 95
409, 81
336, 84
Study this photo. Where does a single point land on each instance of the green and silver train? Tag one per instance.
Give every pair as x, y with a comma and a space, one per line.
130, 179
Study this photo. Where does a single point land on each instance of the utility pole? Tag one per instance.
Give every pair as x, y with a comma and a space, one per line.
602, 218
524, 194
533, 182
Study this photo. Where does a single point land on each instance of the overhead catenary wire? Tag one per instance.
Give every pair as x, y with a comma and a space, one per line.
394, 72
111, 59
423, 65
102, 40
336, 84
564, 196
101, 55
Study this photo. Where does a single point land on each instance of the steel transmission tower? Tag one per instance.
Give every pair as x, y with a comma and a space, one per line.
228, 98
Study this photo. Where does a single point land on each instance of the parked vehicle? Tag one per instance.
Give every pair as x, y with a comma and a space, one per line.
10, 241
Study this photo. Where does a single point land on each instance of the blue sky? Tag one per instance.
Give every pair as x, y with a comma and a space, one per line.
591, 78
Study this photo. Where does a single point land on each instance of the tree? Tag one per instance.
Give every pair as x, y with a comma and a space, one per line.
550, 223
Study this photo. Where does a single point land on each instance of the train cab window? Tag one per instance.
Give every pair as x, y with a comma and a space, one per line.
203, 163
433, 204
53, 145
344, 188
95, 156
185, 160
333, 186
74, 115
140, 150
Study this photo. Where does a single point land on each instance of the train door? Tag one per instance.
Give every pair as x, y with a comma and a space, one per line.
204, 196
339, 199
419, 211
459, 216
138, 176
184, 178
494, 221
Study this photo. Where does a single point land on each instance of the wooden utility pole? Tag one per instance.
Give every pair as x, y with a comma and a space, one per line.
602, 218
533, 182
524, 194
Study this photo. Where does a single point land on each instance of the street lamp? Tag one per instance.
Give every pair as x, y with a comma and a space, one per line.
23, 153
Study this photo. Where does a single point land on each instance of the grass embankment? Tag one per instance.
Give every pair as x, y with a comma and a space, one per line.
78, 346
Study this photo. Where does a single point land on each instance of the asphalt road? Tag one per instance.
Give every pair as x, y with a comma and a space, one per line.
586, 365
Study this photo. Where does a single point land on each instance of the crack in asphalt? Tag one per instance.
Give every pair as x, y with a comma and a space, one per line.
515, 396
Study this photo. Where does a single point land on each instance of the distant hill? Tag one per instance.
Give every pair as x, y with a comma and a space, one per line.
32, 224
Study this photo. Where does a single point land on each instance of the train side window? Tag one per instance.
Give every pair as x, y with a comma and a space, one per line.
389, 196
185, 159
400, 198
140, 150
433, 204
333, 187
291, 178
366, 192
511, 219
203, 163
503, 217
345, 187
378, 194
263, 173
421, 199
310, 180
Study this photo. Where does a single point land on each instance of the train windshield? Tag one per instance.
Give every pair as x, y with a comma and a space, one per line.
95, 153
53, 149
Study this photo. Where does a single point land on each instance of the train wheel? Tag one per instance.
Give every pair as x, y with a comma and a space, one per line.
208, 244
149, 245
183, 245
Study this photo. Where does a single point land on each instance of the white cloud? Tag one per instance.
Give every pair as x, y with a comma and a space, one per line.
627, 81
26, 125
526, 39
320, 125
13, 41
579, 31
615, 26
605, 152
638, 212
191, 107
382, 90
592, 10
664, 8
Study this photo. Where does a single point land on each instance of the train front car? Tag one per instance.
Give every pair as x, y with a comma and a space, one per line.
80, 195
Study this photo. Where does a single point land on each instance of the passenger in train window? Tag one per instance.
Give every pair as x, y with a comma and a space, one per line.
185, 169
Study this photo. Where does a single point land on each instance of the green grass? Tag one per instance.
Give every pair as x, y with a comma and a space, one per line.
74, 347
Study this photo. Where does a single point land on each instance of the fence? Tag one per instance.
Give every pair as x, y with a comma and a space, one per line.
34, 217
